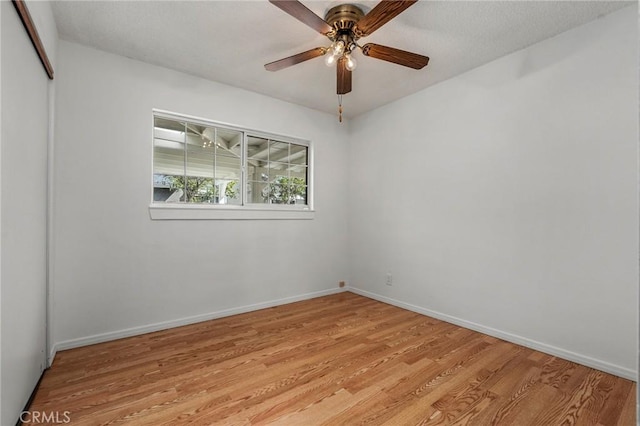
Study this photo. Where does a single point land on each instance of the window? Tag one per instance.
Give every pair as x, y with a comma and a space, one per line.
277, 171
200, 164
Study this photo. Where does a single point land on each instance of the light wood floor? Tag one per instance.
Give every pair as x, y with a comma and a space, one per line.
341, 359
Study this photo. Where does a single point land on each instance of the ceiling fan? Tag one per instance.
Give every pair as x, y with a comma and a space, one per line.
344, 25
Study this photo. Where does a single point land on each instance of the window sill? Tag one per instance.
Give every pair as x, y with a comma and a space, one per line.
199, 212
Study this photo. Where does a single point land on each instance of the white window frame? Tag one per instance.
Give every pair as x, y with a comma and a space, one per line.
245, 211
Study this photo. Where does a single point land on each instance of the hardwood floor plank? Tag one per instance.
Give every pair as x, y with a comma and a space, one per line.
336, 360
526, 404
293, 400
318, 412
579, 401
357, 408
483, 414
628, 414
613, 406
461, 406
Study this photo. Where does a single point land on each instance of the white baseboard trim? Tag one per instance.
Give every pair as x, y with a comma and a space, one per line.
135, 331
52, 355
513, 338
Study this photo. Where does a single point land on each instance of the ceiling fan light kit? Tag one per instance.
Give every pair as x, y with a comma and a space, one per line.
344, 25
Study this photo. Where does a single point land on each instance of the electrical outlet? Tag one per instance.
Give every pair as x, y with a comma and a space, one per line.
389, 279
341, 284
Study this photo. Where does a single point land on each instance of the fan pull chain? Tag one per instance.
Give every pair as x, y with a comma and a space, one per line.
340, 108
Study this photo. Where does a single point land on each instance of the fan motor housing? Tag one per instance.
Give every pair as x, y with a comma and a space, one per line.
343, 17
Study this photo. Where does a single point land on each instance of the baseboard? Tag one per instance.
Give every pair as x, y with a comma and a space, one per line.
52, 356
19, 422
135, 331
513, 338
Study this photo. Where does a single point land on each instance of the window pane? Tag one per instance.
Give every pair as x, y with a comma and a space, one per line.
299, 194
228, 172
285, 190
212, 165
256, 172
278, 151
227, 167
299, 155
257, 148
278, 169
298, 175
230, 192
168, 129
227, 142
199, 161
168, 159
257, 192
198, 190
200, 186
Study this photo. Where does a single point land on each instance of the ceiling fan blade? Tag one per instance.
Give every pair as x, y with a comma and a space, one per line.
397, 56
295, 59
382, 13
303, 14
344, 77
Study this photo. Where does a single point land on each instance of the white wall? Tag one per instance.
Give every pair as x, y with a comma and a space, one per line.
1, 38
23, 201
117, 272
506, 199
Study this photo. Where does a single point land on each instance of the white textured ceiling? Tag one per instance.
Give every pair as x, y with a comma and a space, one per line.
230, 41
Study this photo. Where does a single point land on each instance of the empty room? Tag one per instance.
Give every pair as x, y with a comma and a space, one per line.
319, 212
